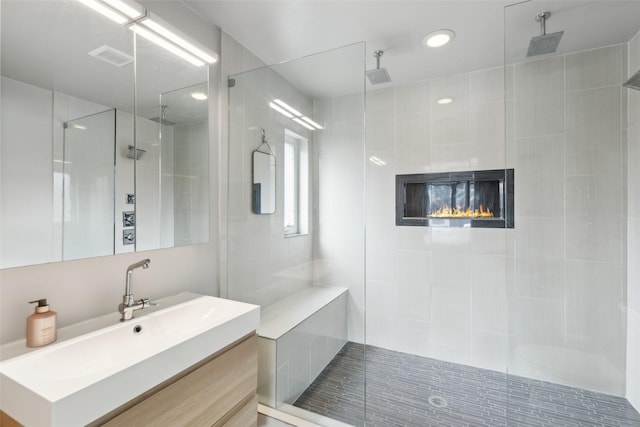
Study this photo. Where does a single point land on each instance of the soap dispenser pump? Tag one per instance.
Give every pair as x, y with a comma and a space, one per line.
41, 325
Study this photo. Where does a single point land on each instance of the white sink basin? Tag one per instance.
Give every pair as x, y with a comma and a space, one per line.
76, 381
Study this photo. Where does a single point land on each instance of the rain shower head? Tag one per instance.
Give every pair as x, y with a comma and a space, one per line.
163, 121
379, 75
633, 82
162, 118
544, 43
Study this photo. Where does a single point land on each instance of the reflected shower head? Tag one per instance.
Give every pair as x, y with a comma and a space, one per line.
135, 154
379, 75
163, 121
633, 82
544, 43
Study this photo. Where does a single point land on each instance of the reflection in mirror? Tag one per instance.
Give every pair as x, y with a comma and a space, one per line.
88, 186
58, 67
264, 183
63, 62
172, 179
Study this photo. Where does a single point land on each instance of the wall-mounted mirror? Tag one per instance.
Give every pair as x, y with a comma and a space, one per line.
263, 193
67, 90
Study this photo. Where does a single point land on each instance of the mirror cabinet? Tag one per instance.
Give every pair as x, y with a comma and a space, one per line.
104, 145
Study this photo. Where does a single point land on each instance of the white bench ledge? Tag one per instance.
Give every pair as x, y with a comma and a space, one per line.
281, 317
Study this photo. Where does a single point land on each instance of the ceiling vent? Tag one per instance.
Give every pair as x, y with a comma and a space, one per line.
112, 56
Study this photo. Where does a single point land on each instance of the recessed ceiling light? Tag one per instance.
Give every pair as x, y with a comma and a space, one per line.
199, 96
438, 38
444, 101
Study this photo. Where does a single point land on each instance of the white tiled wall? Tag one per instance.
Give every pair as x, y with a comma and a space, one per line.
633, 229
436, 292
544, 299
339, 203
566, 320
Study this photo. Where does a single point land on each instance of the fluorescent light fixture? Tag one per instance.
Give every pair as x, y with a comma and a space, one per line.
303, 123
154, 38
377, 161
288, 107
280, 110
311, 122
444, 101
199, 96
119, 10
104, 11
81, 127
295, 115
121, 6
438, 38
179, 41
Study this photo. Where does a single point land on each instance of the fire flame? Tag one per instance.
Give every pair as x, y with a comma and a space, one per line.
458, 212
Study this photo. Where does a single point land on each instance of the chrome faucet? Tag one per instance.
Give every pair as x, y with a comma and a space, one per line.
129, 304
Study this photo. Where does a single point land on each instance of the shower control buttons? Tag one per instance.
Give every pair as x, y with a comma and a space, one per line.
128, 237
128, 219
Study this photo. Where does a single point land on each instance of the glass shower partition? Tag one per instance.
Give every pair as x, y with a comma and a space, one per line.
572, 139
302, 262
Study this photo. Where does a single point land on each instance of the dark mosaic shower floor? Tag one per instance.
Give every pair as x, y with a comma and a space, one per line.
399, 385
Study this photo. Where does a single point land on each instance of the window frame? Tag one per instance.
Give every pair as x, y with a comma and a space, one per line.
296, 151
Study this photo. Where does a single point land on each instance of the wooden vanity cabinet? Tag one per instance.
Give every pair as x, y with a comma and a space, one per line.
219, 391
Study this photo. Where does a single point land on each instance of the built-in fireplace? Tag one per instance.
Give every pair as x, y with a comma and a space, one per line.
456, 199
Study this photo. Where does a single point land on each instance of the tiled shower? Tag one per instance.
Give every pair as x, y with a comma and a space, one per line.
546, 308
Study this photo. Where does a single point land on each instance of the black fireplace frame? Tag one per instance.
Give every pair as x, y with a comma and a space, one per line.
504, 176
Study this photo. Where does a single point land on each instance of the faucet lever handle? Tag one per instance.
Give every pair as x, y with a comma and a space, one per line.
147, 303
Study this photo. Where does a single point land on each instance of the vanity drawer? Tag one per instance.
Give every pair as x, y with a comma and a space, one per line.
220, 392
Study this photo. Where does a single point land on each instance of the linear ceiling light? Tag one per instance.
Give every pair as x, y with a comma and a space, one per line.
132, 16
105, 11
123, 7
293, 114
287, 107
311, 122
178, 40
162, 42
303, 123
280, 110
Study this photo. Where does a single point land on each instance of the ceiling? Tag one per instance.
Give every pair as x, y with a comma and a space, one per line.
282, 30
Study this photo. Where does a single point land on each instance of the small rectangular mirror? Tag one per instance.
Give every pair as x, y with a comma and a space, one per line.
263, 193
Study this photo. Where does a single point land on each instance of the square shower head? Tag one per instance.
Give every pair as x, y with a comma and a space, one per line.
546, 43
377, 76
